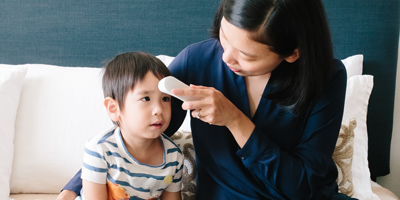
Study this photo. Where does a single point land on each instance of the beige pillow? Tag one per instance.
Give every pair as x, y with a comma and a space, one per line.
343, 157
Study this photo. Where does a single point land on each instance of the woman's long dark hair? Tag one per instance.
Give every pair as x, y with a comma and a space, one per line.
285, 25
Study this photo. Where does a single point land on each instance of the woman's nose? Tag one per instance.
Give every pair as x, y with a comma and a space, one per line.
229, 57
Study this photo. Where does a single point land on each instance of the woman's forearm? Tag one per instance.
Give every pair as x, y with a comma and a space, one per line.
241, 128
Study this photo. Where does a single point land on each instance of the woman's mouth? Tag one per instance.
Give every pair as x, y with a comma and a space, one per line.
234, 70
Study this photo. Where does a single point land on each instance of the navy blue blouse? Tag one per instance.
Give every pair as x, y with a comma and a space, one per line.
286, 157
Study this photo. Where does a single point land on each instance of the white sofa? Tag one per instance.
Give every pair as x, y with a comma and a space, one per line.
49, 112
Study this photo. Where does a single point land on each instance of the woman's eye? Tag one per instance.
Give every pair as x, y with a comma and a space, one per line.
247, 58
166, 99
145, 99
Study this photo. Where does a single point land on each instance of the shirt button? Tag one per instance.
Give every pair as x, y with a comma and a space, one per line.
243, 158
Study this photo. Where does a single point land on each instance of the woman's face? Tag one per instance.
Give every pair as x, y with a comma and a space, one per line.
244, 56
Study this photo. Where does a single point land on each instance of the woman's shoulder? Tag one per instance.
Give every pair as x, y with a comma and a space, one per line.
208, 43
339, 68
338, 80
204, 48
338, 74
196, 58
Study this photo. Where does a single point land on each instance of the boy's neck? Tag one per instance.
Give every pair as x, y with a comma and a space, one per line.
147, 151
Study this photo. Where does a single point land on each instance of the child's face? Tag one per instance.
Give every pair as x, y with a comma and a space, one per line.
147, 111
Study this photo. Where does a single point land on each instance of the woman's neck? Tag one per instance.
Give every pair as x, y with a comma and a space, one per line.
255, 86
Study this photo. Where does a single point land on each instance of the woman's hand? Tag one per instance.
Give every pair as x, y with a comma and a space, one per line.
214, 108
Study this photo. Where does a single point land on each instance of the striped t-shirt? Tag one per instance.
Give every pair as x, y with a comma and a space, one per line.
107, 161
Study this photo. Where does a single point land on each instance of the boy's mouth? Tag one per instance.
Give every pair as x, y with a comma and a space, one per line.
157, 124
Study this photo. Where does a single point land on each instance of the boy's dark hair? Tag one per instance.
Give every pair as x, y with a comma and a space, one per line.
285, 25
125, 70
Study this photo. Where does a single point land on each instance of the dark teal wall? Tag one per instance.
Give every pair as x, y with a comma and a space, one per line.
371, 28
82, 33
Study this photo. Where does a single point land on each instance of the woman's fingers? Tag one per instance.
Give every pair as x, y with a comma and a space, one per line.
198, 86
192, 91
201, 93
211, 107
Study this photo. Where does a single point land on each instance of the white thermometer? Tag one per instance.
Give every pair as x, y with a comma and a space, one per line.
169, 83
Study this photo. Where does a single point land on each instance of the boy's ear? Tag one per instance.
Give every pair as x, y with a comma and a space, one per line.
112, 108
292, 58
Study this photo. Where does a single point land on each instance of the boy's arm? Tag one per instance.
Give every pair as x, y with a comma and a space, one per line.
94, 191
171, 195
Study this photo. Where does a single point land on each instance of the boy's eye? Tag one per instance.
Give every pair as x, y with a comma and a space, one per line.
166, 99
145, 99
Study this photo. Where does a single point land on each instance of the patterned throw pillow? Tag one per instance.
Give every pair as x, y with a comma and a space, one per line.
343, 157
184, 141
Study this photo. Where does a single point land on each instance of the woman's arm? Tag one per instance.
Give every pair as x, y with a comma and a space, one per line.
94, 191
72, 189
66, 195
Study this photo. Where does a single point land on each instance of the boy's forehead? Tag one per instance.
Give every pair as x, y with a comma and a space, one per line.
145, 91
148, 85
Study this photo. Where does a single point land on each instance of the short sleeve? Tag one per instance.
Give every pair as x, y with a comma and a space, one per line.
94, 167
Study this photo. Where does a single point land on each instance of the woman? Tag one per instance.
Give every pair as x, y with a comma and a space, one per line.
271, 102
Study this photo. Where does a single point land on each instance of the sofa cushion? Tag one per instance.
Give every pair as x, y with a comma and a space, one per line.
359, 88
358, 91
354, 65
11, 79
60, 109
33, 196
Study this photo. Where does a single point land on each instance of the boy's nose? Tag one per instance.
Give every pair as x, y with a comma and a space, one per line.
158, 109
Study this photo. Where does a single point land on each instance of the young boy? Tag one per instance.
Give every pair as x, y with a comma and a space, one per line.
135, 160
